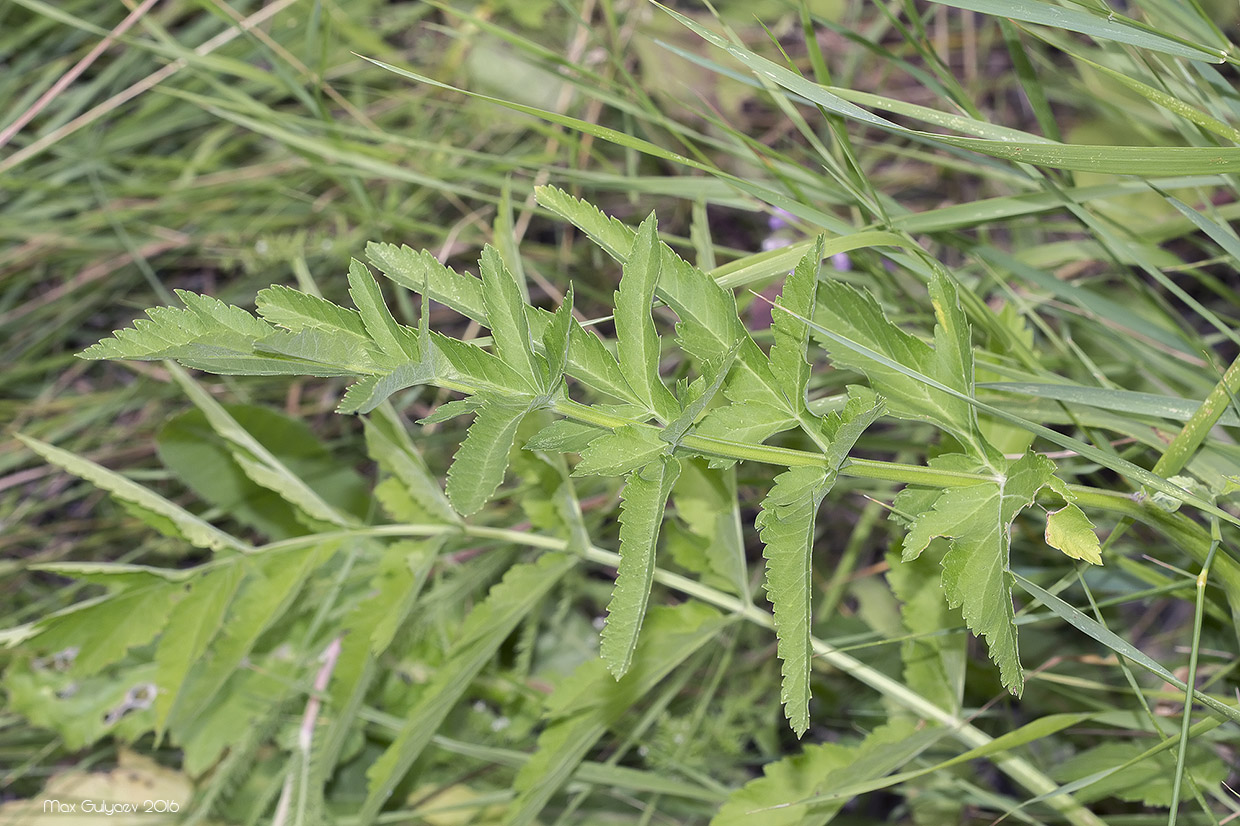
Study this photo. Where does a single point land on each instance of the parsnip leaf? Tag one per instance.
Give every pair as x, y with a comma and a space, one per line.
565, 436
637, 342
787, 354
482, 459
745, 422
641, 515
1069, 530
856, 315
786, 526
588, 359
506, 316
556, 339
976, 569
620, 451
297, 311
393, 339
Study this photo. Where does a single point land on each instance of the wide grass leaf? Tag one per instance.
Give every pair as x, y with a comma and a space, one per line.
1149, 782
641, 515
977, 577
1111, 26
157, 511
522, 590
588, 703
776, 798
199, 616
270, 586
482, 460
370, 629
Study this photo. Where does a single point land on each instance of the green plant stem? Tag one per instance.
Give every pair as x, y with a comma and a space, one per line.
1198, 427
782, 456
1017, 768
1190, 681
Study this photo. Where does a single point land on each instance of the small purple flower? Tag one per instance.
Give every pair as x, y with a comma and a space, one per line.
841, 262
774, 242
778, 219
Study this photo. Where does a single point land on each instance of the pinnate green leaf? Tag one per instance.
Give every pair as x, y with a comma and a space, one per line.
786, 526
1069, 530
556, 339
856, 316
506, 316
746, 422
588, 359
976, 569
393, 339
844, 427
641, 515
297, 311
698, 395
482, 460
565, 436
787, 354
708, 325
620, 451
169, 330
637, 342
